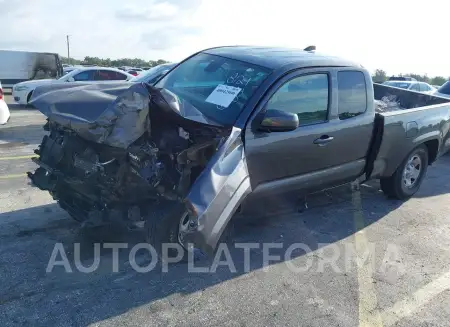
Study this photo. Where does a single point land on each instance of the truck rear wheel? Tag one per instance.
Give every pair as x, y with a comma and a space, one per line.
408, 177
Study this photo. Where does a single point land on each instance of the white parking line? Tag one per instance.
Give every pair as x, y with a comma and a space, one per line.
10, 176
369, 316
408, 306
19, 157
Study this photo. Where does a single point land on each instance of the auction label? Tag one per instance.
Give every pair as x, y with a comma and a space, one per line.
223, 95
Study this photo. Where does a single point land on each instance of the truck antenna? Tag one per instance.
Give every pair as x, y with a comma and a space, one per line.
310, 48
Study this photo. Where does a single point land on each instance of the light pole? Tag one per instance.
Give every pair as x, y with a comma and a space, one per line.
68, 49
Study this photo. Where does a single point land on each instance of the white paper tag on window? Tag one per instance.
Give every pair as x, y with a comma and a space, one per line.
223, 95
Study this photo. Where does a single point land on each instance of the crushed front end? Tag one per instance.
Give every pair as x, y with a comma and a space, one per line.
118, 167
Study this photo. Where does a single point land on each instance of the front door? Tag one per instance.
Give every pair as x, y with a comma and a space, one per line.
315, 155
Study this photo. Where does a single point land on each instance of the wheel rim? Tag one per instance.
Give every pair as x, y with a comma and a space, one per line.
412, 171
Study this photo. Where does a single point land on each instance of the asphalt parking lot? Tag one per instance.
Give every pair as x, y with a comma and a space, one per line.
367, 261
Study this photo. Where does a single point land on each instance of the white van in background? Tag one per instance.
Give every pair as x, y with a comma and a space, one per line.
20, 66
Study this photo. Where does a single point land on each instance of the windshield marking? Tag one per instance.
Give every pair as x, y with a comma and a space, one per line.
223, 95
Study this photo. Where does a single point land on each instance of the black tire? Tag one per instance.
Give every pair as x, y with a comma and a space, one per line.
162, 227
395, 185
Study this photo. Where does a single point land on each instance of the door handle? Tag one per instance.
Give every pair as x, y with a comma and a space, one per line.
324, 139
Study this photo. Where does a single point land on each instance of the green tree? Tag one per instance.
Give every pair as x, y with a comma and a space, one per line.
380, 76
132, 62
65, 60
438, 80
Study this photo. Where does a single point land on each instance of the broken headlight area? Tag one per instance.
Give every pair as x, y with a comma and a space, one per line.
99, 184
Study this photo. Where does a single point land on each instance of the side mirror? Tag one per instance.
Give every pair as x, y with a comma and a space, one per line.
279, 121
71, 79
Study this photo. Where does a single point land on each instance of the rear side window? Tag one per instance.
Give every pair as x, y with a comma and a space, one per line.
352, 94
415, 87
120, 76
424, 87
109, 75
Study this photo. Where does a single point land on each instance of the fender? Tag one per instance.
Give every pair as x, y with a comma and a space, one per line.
217, 193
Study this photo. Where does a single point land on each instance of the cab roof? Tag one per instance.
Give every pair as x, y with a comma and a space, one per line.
275, 58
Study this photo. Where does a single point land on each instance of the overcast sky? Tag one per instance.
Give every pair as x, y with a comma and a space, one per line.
394, 35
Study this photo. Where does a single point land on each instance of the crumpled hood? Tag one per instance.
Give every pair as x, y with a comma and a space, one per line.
113, 114
97, 113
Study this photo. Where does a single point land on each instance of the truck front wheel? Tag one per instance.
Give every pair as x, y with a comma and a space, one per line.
164, 227
408, 177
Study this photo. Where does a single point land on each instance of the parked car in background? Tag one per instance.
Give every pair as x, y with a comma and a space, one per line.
22, 92
153, 74
401, 78
4, 110
443, 90
412, 86
68, 69
19, 66
150, 77
134, 71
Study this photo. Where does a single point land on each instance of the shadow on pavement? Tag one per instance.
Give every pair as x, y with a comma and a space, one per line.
15, 106
30, 291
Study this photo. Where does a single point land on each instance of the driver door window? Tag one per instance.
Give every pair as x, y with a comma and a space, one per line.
307, 96
87, 75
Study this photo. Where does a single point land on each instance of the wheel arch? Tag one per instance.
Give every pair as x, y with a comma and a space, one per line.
29, 95
433, 149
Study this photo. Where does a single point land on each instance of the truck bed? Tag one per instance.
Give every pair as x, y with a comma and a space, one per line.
422, 118
388, 98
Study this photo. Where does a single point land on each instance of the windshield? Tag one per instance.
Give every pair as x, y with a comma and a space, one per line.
445, 89
402, 85
218, 87
149, 75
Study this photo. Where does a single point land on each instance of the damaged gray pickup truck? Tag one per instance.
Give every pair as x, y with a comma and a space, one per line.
230, 124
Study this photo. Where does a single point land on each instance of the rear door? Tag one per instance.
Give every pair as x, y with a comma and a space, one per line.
425, 88
415, 87
329, 146
109, 75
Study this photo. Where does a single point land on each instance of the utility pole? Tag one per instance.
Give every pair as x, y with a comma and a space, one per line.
68, 49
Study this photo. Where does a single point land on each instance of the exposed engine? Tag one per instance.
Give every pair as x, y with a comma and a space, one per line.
96, 183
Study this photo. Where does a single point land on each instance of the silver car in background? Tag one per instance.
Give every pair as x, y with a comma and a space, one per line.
153, 74
412, 86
